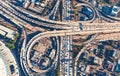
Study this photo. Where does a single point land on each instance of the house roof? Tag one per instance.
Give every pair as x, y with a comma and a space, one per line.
112, 0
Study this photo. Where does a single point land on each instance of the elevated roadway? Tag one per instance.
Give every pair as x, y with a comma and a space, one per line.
96, 10
60, 33
70, 32
26, 64
75, 26
88, 41
77, 58
98, 37
93, 10
86, 26
14, 19
54, 10
39, 17
23, 49
102, 14
6, 8
109, 17
102, 37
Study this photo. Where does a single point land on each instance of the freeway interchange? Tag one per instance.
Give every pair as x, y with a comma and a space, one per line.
52, 49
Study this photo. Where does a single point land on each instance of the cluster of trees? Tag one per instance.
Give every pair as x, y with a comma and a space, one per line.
10, 43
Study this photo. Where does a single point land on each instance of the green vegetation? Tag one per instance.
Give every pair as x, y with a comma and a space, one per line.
58, 71
15, 37
119, 74
5, 37
102, 1
10, 46
76, 10
112, 60
10, 43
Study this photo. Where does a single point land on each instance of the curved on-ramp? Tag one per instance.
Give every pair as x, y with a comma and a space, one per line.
42, 18
54, 34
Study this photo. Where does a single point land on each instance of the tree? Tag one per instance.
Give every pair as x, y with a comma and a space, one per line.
102, 1
11, 46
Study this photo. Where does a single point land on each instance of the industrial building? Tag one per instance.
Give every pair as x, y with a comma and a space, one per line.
4, 31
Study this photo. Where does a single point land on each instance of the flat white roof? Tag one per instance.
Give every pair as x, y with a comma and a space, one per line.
119, 61
3, 71
10, 33
2, 32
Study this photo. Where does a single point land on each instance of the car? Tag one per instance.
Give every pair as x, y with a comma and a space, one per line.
12, 69
115, 10
80, 26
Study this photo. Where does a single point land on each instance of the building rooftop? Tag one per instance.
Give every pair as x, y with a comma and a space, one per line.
6, 31
119, 61
3, 71
9, 62
112, 0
